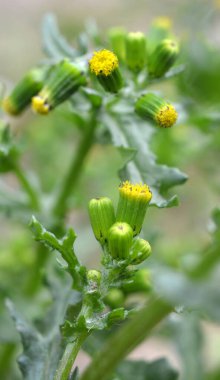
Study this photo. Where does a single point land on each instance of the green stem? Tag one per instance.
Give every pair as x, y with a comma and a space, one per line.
26, 186
75, 169
124, 340
206, 264
7, 359
35, 279
66, 363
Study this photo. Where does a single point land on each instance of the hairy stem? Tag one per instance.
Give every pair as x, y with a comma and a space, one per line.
75, 169
124, 340
28, 188
66, 363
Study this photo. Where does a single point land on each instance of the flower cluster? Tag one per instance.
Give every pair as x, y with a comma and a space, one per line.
47, 86
117, 232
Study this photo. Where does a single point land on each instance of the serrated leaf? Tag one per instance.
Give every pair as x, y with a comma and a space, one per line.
54, 44
65, 247
188, 339
180, 290
139, 370
41, 351
128, 132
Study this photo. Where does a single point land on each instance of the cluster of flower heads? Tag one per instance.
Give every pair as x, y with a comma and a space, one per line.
45, 87
118, 231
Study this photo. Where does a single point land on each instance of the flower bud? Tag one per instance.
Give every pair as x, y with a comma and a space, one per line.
159, 30
153, 108
132, 204
162, 58
140, 282
65, 78
140, 251
104, 64
136, 51
94, 276
23, 92
117, 39
115, 298
120, 237
102, 216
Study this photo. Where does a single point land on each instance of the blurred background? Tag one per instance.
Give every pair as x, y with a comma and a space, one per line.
193, 147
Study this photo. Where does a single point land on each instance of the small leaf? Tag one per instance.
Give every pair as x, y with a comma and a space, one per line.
65, 247
188, 338
130, 133
139, 370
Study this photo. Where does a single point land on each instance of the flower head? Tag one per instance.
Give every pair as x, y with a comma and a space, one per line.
152, 107
103, 62
135, 191
40, 105
63, 80
166, 116
24, 90
162, 22
132, 204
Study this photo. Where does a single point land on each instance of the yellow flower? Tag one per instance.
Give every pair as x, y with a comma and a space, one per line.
162, 22
135, 191
132, 204
152, 107
39, 105
166, 116
103, 62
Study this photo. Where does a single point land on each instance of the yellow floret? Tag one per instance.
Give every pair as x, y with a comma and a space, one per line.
103, 62
135, 191
163, 22
166, 116
9, 107
39, 105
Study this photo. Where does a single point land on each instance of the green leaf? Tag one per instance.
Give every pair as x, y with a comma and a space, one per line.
8, 151
54, 44
139, 370
42, 350
188, 338
65, 247
132, 135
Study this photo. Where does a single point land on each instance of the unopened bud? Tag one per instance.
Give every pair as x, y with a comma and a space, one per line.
65, 78
23, 92
117, 39
159, 30
140, 251
104, 64
136, 53
115, 298
120, 237
153, 108
140, 282
94, 276
162, 58
102, 217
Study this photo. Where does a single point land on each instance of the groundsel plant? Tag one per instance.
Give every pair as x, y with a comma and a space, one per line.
106, 86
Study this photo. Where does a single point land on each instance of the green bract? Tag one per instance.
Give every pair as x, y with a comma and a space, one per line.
102, 216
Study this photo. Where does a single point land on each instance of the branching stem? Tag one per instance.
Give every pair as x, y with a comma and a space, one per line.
75, 169
124, 340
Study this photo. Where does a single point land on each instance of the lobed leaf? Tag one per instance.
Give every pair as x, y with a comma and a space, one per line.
140, 370
132, 137
65, 247
54, 44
